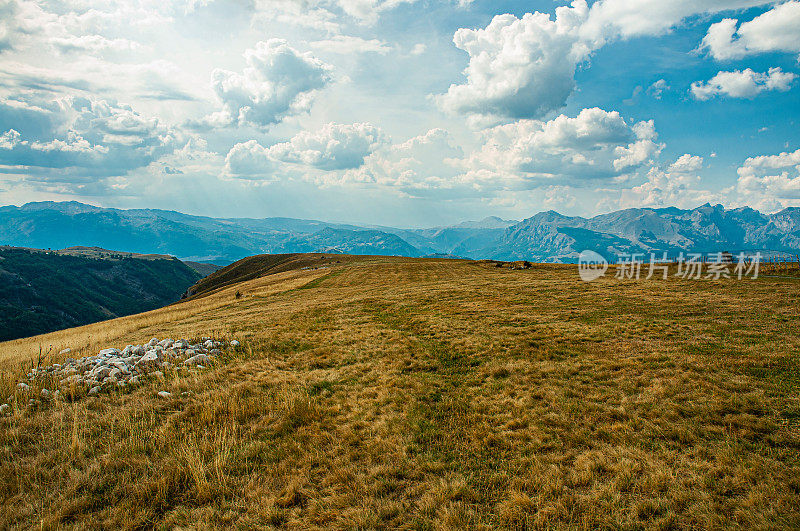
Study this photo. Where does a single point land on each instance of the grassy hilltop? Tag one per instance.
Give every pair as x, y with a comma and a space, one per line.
428, 394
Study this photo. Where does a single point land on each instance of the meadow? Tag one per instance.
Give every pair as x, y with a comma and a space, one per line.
375, 393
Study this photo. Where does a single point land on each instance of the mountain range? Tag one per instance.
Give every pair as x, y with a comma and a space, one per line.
544, 237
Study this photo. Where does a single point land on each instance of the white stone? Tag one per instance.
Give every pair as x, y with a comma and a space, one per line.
45, 393
166, 343
208, 344
153, 342
101, 372
164, 394
235, 343
72, 380
94, 390
22, 386
65, 352
196, 360
109, 352
4, 409
148, 363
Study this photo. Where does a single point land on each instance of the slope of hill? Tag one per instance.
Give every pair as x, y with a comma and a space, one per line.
429, 394
547, 236
44, 291
260, 266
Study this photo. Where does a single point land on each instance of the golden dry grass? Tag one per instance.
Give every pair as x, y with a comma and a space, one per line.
432, 394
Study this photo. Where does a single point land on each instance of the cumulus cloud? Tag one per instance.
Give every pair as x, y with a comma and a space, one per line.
250, 160
423, 164
743, 84
774, 31
525, 68
334, 147
771, 180
89, 137
72, 26
596, 144
278, 82
686, 164
10, 139
519, 68
677, 185
610, 19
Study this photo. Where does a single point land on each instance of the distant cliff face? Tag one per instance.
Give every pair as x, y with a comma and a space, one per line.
547, 236
42, 292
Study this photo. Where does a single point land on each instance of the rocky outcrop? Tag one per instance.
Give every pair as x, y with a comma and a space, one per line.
117, 369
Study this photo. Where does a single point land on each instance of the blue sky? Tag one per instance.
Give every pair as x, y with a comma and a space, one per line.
400, 112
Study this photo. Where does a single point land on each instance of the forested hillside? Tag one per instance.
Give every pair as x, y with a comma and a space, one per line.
46, 291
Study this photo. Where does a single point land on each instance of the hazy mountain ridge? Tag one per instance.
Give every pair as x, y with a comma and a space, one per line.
546, 236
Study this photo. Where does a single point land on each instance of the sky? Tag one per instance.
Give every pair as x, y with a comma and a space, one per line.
400, 112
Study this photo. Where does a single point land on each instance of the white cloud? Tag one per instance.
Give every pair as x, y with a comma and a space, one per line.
743, 84
772, 180
347, 45
525, 68
596, 144
519, 68
774, 31
278, 82
658, 88
193, 159
423, 164
369, 10
634, 18
89, 138
75, 26
333, 147
675, 186
686, 164
250, 160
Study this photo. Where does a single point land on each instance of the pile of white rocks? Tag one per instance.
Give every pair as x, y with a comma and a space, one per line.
113, 368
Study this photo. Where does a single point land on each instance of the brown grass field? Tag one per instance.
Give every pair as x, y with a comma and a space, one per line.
430, 394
